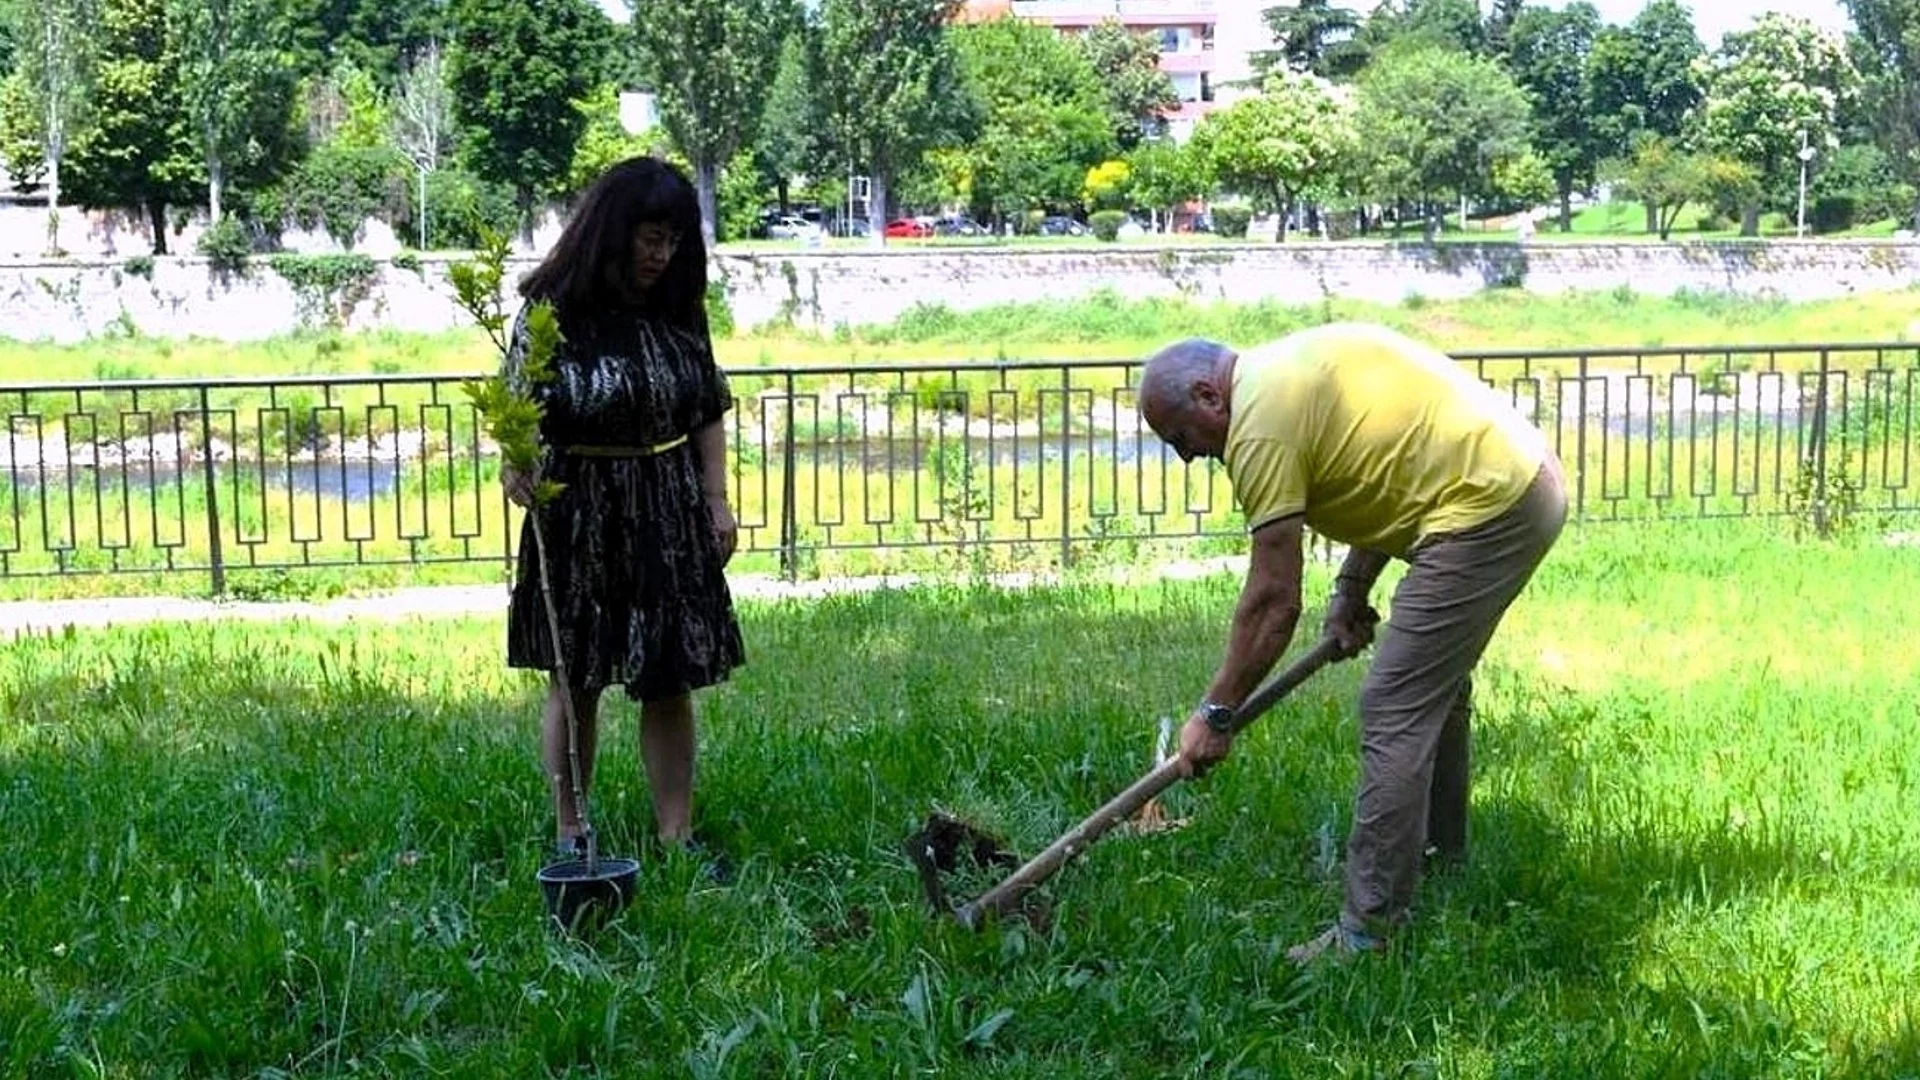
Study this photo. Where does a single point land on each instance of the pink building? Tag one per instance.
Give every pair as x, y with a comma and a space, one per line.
1184, 30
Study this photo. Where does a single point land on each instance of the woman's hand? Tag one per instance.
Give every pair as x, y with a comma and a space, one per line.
725, 528
519, 485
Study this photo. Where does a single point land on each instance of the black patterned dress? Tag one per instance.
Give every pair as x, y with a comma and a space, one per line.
635, 565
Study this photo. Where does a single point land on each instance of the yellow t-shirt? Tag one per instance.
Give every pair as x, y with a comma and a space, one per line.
1379, 440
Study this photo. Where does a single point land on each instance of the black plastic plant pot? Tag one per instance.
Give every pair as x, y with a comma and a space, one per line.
582, 898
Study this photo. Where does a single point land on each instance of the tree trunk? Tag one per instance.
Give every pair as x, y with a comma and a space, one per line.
783, 188
216, 183
1750, 219
1566, 205
1654, 219
53, 204
157, 221
877, 207
523, 203
1285, 206
1916, 213
706, 183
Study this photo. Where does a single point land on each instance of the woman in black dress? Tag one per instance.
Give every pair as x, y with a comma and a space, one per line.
639, 538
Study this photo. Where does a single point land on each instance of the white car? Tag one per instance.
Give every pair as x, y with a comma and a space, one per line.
790, 227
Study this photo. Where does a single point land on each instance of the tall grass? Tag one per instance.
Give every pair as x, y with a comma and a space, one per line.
1100, 326
309, 849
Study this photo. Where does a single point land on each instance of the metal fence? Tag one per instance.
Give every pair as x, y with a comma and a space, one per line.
208, 477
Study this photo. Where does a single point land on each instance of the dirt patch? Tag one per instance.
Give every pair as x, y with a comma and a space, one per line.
976, 861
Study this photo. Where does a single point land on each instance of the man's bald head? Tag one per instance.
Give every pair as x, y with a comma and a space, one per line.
1184, 396
1167, 381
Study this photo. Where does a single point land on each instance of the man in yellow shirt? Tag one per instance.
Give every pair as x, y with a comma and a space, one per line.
1388, 446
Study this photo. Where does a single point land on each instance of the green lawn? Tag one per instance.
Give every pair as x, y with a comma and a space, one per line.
308, 849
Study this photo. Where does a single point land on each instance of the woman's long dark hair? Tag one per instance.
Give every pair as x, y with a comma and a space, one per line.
591, 266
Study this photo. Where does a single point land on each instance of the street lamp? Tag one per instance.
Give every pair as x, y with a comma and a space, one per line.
1806, 155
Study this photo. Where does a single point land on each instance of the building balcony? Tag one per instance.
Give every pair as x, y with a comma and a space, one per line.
1131, 13
1194, 62
1192, 111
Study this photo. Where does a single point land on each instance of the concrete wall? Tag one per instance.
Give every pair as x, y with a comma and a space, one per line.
179, 297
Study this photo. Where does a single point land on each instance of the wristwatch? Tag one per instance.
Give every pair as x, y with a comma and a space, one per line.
1218, 717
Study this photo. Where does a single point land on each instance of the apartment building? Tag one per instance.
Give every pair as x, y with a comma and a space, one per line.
1186, 31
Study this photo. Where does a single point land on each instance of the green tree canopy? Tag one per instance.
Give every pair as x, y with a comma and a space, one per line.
711, 62
888, 89
517, 68
1292, 139
1434, 121
1045, 117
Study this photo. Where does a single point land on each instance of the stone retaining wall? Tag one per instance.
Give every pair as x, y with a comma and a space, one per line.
182, 297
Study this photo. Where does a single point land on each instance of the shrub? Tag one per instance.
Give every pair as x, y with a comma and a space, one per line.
1232, 221
1833, 213
226, 246
1106, 224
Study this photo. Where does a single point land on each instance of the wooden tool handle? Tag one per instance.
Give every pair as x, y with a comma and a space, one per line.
1007, 894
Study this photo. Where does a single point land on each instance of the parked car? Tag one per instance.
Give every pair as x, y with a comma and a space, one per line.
1058, 225
908, 229
792, 227
958, 225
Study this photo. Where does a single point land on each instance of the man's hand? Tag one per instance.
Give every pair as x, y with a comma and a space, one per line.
1350, 623
1201, 747
725, 527
519, 485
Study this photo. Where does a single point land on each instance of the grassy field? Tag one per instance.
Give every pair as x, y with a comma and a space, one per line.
309, 849
1098, 327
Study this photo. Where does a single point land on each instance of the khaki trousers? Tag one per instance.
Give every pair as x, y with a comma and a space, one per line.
1417, 701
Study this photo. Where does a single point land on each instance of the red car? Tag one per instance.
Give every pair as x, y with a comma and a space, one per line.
908, 228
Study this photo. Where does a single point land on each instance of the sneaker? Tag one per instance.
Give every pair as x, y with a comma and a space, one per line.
1338, 942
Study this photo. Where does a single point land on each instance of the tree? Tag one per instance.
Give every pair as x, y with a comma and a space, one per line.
1764, 88
786, 147
239, 88
1640, 80
1044, 117
137, 149
1548, 54
1500, 22
1525, 179
376, 36
57, 63
887, 87
516, 68
1669, 48
1166, 175
1137, 91
1888, 51
711, 63
1448, 24
423, 120
1290, 139
8, 19
1663, 175
1315, 37
1433, 120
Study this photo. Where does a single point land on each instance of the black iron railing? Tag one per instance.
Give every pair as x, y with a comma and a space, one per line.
213, 476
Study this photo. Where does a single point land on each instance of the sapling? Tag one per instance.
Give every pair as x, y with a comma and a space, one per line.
512, 420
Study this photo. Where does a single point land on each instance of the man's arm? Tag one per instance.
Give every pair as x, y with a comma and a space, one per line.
1264, 619
1359, 571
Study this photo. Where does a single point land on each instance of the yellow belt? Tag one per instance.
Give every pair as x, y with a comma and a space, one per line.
626, 451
